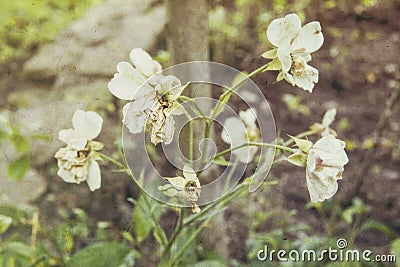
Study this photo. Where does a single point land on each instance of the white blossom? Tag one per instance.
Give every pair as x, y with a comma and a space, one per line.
187, 186
77, 161
294, 47
323, 128
153, 96
235, 134
325, 165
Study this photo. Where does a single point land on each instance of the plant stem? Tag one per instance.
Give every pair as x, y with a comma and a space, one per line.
367, 163
110, 159
236, 86
190, 240
204, 211
178, 229
226, 151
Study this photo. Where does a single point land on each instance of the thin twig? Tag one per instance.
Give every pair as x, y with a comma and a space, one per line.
377, 134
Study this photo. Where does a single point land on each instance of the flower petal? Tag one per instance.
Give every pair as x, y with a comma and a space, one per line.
310, 38
87, 124
308, 78
288, 26
94, 175
144, 63
66, 176
234, 132
329, 117
135, 121
249, 117
178, 182
126, 82
66, 135
189, 173
284, 54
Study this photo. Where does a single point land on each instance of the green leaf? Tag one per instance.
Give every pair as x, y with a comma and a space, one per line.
298, 159
102, 254
5, 222
275, 64
209, 263
20, 143
5, 131
395, 249
17, 169
270, 54
376, 225
304, 145
221, 161
20, 249
65, 239
142, 224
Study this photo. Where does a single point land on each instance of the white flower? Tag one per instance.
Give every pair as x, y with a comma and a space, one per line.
323, 127
325, 165
187, 186
76, 161
235, 134
294, 46
153, 96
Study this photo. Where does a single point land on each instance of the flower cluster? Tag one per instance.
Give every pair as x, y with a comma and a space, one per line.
77, 161
153, 96
294, 45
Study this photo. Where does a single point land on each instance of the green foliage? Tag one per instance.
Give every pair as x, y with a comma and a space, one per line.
17, 169
294, 104
5, 222
28, 23
144, 218
103, 254
357, 208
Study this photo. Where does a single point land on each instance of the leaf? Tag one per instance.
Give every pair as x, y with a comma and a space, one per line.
20, 249
376, 225
395, 249
209, 263
221, 161
20, 143
142, 224
5, 131
5, 222
17, 169
103, 254
304, 145
270, 54
298, 159
275, 64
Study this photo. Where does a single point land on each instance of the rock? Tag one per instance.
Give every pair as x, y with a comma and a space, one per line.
72, 73
94, 44
22, 192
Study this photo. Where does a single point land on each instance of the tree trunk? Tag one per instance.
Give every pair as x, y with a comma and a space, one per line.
188, 37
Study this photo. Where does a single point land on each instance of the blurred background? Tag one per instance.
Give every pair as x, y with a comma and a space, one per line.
57, 56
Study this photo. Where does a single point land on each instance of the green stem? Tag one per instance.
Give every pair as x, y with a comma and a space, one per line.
218, 108
191, 135
223, 199
155, 223
178, 229
114, 161
207, 133
226, 151
190, 240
